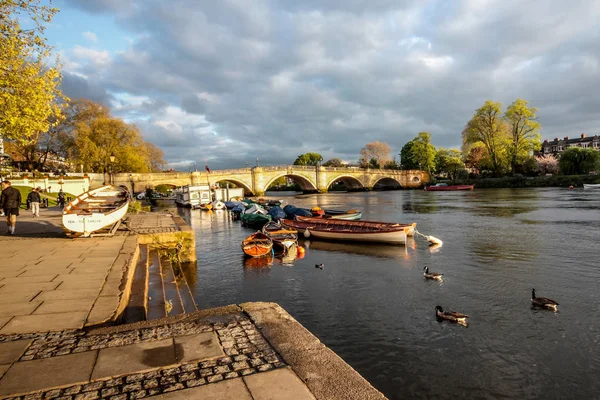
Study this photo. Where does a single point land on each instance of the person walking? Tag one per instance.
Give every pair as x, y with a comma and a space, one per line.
10, 201
61, 199
34, 200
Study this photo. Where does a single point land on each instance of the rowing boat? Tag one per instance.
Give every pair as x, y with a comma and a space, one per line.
443, 187
96, 209
591, 185
350, 215
362, 231
257, 245
283, 239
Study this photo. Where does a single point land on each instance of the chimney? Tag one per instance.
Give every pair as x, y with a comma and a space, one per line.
556, 139
583, 135
566, 138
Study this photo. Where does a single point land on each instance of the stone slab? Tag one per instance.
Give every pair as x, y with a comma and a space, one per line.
197, 347
229, 389
61, 306
278, 384
7, 310
13, 298
81, 284
29, 287
68, 294
30, 271
3, 369
132, 358
104, 309
46, 373
4, 321
31, 279
11, 351
44, 323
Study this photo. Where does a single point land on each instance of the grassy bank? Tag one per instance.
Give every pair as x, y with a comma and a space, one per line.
538, 181
50, 196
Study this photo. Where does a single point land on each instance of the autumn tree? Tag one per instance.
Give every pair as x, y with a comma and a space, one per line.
474, 156
448, 161
30, 96
489, 128
524, 132
375, 154
334, 162
308, 159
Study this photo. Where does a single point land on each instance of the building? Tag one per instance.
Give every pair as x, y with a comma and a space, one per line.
557, 146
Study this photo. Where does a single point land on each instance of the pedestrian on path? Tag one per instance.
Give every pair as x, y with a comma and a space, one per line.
34, 200
61, 199
10, 201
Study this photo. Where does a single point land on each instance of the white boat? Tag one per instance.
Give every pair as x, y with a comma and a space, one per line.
591, 185
192, 196
217, 205
96, 209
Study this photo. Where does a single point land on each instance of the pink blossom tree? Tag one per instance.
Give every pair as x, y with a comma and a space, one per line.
547, 163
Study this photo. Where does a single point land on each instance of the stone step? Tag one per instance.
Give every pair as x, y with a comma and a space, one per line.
137, 308
173, 303
156, 293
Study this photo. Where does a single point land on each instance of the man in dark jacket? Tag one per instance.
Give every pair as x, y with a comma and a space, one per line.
34, 200
10, 201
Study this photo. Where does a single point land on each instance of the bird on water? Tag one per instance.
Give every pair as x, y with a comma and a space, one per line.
543, 301
320, 266
432, 275
452, 316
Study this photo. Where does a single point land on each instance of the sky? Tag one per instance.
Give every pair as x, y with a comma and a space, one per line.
227, 82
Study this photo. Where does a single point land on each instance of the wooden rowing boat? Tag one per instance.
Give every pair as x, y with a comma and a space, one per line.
283, 239
257, 245
96, 209
362, 231
351, 215
442, 187
371, 224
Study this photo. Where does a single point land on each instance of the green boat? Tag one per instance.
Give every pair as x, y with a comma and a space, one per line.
255, 221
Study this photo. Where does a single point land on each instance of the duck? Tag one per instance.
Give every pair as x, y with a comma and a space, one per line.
432, 275
543, 301
451, 315
320, 266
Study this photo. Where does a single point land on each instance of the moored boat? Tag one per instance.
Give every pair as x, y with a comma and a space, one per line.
591, 185
283, 239
257, 245
362, 231
350, 215
366, 224
442, 187
205, 206
217, 205
255, 221
96, 209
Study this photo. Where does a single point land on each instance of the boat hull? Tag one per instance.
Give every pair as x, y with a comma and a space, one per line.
257, 245
410, 228
396, 237
449, 188
346, 217
82, 215
591, 186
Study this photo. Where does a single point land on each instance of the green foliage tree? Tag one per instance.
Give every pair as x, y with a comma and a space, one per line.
424, 152
308, 159
489, 128
334, 162
448, 161
577, 161
30, 96
407, 157
525, 135
375, 154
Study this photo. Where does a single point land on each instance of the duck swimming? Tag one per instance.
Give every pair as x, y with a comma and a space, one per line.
543, 301
451, 315
432, 275
320, 266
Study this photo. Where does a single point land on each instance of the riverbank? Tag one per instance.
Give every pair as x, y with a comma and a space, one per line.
525, 182
60, 298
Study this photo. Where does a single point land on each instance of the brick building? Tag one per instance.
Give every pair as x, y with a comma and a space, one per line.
557, 145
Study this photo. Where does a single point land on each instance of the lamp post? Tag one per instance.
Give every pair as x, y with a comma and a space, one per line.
60, 182
112, 161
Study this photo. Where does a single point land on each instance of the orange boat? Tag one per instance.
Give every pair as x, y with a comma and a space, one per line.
257, 245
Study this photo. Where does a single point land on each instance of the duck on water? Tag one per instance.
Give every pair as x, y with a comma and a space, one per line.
543, 301
432, 275
452, 316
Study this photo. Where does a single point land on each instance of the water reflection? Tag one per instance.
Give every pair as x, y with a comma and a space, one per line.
258, 262
368, 249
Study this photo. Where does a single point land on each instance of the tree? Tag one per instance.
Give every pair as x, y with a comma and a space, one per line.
578, 161
334, 162
548, 164
155, 157
407, 157
489, 128
29, 89
448, 161
308, 159
524, 131
424, 152
375, 153
474, 155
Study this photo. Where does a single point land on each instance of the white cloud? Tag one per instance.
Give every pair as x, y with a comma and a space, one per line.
91, 36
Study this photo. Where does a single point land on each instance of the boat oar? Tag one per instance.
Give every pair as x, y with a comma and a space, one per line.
429, 238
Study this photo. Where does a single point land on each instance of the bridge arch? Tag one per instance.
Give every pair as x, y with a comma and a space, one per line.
351, 182
304, 183
239, 183
388, 181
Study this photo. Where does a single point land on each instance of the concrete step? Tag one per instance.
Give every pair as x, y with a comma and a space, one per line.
137, 308
174, 305
156, 293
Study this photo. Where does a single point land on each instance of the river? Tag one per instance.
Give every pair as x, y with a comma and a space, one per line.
371, 305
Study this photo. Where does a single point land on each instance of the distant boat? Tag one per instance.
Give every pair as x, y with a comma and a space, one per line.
442, 187
217, 205
351, 215
96, 209
361, 231
257, 245
591, 185
205, 206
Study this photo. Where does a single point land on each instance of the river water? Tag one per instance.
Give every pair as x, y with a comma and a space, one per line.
371, 305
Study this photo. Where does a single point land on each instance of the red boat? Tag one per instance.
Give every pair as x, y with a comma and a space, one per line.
441, 187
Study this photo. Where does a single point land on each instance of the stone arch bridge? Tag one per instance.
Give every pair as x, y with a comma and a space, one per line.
256, 180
